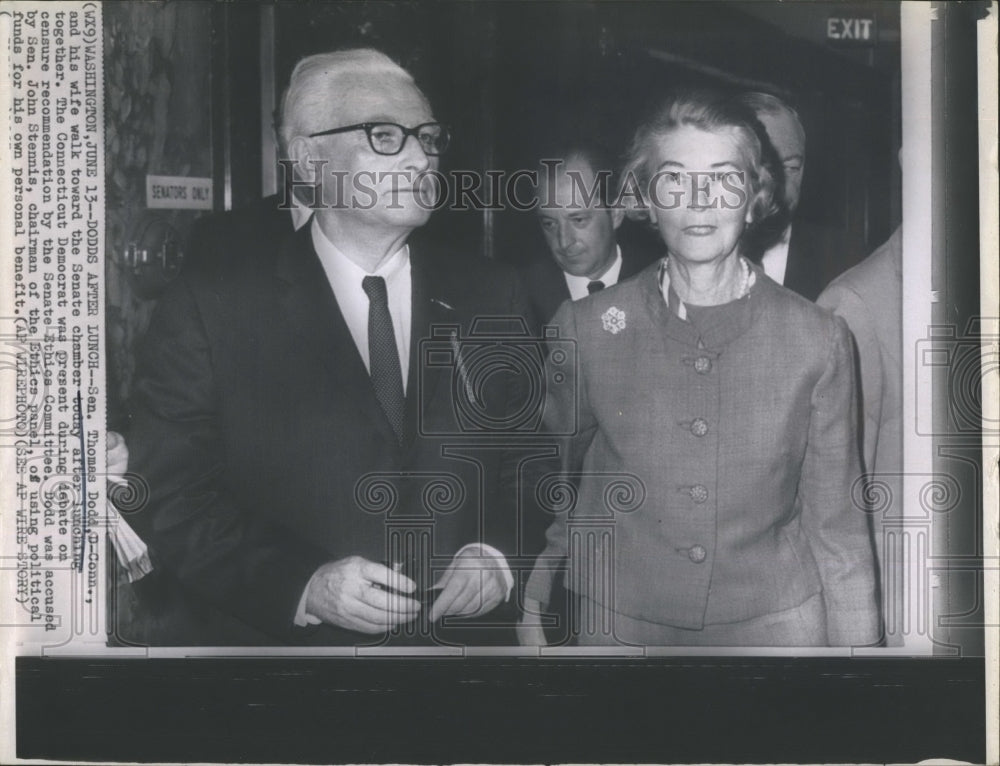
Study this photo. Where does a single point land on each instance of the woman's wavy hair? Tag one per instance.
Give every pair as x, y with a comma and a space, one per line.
713, 112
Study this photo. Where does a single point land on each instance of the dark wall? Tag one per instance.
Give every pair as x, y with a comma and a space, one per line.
504, 74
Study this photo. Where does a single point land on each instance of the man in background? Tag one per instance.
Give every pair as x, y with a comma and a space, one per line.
580, 228
803, 257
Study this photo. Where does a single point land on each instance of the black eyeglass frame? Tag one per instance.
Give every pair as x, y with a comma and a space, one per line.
368, 127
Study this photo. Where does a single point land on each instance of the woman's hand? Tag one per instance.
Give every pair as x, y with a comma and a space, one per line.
529, 629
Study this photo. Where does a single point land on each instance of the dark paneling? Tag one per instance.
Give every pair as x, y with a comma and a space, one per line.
236, 92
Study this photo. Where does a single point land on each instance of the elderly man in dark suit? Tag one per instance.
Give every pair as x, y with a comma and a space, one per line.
803, 256
575, 184
315, 475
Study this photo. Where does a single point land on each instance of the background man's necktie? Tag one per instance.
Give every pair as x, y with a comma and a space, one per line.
593, 287
387, 376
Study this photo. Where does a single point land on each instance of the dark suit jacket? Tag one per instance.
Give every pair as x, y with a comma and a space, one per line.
816, 256
237, 230
546, 285
266, 452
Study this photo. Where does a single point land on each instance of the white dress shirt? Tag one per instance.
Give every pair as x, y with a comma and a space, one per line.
300, 214
578, 285
775, 259
345, 278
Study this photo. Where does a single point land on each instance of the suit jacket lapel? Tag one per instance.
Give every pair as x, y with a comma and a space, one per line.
306, 298
430, 310
548, 288
803, 269
632, 264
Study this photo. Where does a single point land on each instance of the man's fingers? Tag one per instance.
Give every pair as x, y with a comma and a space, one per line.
392, 603
442, 604
462, 596
382, 575
363, 626
368, 596
470, 600
446, 578
490, 595
356, 609
343, 613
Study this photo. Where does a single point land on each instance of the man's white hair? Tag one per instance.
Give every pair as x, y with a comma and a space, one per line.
309, 86
766, 103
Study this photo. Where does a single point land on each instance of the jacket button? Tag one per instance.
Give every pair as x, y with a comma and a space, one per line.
699, 493
697, 553
699, 427
703, 365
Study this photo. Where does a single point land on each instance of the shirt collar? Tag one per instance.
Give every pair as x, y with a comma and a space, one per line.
340, 268
609, 277
300, 213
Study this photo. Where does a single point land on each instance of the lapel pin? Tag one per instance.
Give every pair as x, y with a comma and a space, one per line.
442, 304
613, 320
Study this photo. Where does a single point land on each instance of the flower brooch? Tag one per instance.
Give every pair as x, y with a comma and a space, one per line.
613, 320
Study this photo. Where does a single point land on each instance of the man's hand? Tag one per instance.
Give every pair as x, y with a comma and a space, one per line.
529, 628
472, 585
351, 593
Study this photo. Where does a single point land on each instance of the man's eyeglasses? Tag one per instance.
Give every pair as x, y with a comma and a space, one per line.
389, 138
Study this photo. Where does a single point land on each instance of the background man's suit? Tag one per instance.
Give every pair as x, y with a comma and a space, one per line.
546, 284
870, 299
255, 422
816, 255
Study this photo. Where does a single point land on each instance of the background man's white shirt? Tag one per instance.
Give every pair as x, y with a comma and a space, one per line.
578, 285
775, 259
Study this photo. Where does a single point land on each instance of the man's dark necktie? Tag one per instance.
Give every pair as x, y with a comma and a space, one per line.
383, 356
595, 286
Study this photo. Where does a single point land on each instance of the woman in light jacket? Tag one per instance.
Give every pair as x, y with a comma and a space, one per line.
704, 497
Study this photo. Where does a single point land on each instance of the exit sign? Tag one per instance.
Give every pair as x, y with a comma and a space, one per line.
854, 30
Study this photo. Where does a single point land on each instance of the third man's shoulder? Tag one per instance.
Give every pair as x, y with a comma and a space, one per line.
877, 280
234, 232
